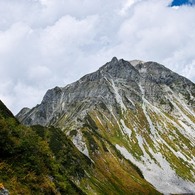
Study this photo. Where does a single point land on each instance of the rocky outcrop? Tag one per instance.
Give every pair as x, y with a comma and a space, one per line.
3, 190
114, 83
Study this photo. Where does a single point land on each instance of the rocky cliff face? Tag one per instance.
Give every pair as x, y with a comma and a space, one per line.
142, 109
91, 89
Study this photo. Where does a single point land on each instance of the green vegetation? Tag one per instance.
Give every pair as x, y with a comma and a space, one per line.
31, 158
42, 160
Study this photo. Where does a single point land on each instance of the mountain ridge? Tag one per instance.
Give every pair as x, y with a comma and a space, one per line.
145, 110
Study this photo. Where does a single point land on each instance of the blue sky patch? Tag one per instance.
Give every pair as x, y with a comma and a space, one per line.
182, 2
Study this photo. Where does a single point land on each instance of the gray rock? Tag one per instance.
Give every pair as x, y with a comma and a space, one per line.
116, 79
4, 191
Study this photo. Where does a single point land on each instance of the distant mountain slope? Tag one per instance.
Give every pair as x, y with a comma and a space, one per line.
140, 110
41, 160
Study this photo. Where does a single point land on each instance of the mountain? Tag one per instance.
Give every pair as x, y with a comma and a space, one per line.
42, 160
141, 111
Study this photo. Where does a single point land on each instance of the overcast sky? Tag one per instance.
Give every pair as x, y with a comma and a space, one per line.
48, 43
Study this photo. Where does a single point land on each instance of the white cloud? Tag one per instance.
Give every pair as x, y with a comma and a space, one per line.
45, 43
66, 35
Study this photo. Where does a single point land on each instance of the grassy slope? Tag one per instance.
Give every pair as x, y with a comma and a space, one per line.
112, 173
27, 160
40, 160
109, 129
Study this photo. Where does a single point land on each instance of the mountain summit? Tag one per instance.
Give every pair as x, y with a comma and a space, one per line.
142, 110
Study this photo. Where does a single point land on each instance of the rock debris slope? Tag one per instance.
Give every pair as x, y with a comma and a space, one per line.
142, 109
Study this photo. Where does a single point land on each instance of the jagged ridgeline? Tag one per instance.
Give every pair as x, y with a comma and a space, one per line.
127, 117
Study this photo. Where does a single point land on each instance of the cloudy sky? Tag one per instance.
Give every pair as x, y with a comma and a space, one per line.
48, 43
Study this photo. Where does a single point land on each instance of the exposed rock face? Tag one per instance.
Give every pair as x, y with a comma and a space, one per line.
3, 190
97, 87
21, 115
144, 109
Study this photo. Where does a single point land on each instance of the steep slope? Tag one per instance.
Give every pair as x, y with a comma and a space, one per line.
27, 164
41, 160
142, 110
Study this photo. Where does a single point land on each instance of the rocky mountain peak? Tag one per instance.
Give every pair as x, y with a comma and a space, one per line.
145, 110
52, 94
119, 69
115, 84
